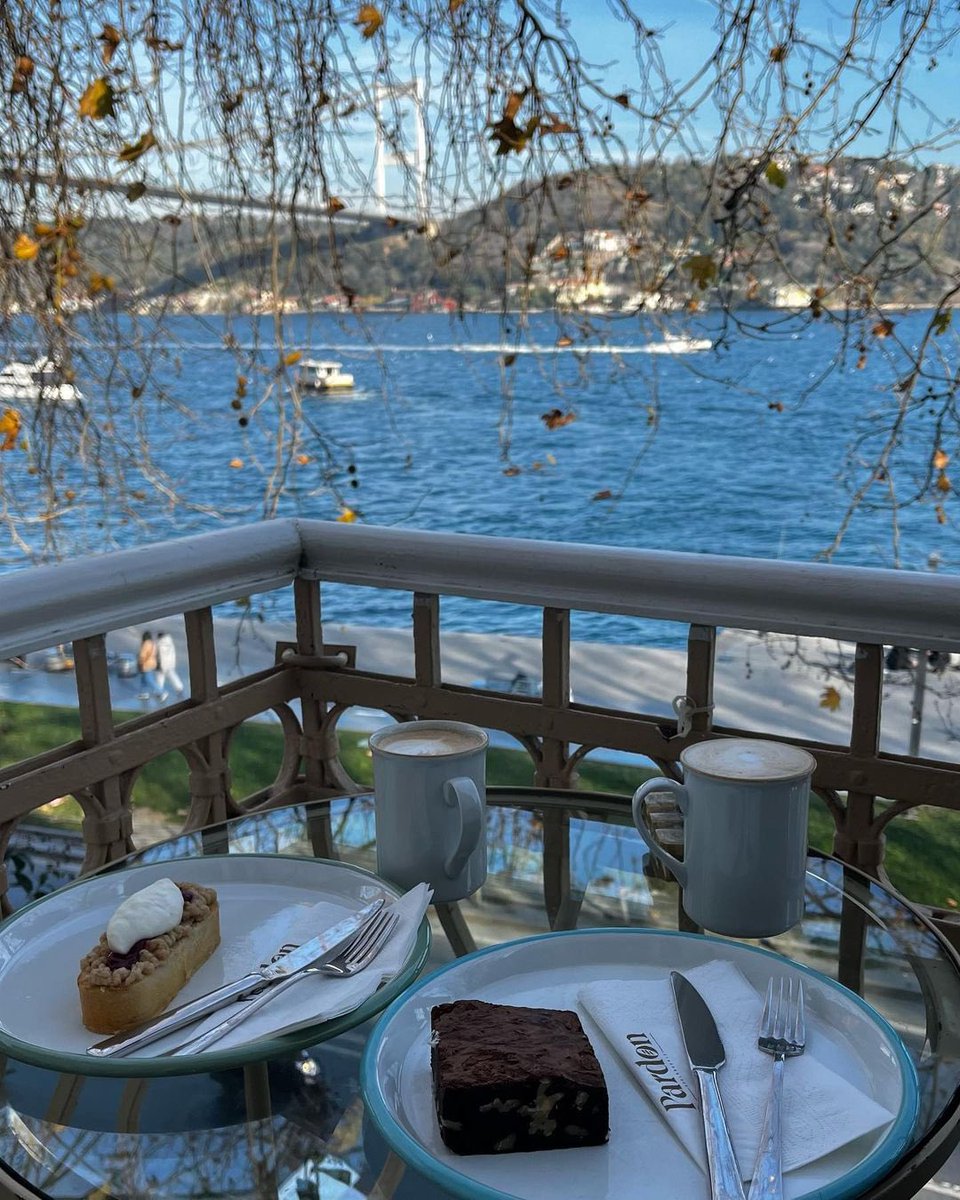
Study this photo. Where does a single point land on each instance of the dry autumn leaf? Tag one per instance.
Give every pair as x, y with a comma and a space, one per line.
943, 483
940, 459
130, 153
514, 100
293, 357
511, 471
25, 248
236, 463
9, 428
941, 321
303, 459
563, 341
559, 253
100, 283
778, 54
941, 514
508, 360
109, 41
22, 70
97, 101
347, 516
883, 328
369, 19
136, 190
830, 699
335, 205
556, 418
605, 494
455, 4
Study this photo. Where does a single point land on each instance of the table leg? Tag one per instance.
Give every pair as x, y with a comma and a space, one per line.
455, 927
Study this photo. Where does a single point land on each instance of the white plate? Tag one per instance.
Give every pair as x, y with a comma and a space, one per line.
548, 971
42, 944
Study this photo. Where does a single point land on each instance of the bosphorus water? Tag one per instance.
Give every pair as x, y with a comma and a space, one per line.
725, 471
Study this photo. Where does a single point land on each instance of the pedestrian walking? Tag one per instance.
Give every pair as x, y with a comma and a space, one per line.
147, 665
167, 666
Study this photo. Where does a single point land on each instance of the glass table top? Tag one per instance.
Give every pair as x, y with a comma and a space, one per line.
294, 1128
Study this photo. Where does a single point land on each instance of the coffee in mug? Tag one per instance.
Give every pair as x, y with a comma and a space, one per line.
429, 780
745, 803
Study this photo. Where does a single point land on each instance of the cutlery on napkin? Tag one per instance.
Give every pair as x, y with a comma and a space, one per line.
821, 1110
320, 998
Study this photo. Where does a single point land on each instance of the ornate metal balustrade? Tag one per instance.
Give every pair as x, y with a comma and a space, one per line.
82, 600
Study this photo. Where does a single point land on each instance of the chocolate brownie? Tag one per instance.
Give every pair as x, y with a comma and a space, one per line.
508, 1078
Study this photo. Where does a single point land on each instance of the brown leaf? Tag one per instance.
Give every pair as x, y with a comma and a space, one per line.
22, 70
564, 182
130, 153
136, 190
511, 471
369, 19
830, 699
559, 253
606, 494
778, 54
159, 43
941, 321
941, 514
335, 205
455, 4
637, 196
701, 268
97, 101
554, 125
943, 483
776, 405
940, 459
563, 341
509, 359
556, 418
514, 100
391, 222
109, 41
622, 99
231, 103
883, 328
172, 219
293, 357
137, 391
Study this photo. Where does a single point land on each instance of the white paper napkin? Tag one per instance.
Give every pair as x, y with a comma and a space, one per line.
320, 997
821, 1110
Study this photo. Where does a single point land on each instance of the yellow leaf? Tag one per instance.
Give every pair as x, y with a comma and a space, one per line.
25, 248
9, 428
701, 268
776, 174
940, 459
347, 516
293, 357
236, 463
144, 143
830, 699
97, 101
100, 283
941, 322
303, 459
369, 19
563, 341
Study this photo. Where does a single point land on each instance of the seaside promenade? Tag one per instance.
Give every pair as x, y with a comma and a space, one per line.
783, 686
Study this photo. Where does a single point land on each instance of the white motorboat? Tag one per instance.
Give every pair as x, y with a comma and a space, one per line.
38, 382
676, 344
315, 375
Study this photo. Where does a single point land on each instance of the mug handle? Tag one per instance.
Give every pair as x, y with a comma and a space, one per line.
462, 794
674, 865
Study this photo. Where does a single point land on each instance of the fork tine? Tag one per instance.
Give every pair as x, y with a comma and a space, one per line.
800, 1027
765, 1026
363, 938
357, 959
781, 1024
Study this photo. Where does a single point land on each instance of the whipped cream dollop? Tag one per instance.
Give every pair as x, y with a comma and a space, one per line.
148, 913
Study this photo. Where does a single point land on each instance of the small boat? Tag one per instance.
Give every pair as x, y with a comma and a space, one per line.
676, 344
315, 375
38, 382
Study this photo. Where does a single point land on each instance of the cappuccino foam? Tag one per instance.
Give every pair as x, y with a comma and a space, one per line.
431, 742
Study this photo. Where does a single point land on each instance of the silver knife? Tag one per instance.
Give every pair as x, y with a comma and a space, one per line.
317, 951
705, 1051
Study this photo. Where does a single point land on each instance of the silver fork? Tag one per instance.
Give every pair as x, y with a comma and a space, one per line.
782, 1034
353, 958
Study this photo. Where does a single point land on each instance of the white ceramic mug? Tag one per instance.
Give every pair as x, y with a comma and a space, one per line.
745, 804
429, 779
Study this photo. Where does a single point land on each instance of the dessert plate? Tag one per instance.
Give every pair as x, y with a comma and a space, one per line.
262, 898
548, 971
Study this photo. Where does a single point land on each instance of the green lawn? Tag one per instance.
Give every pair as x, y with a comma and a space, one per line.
922, 853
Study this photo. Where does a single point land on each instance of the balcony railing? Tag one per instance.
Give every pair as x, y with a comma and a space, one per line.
82, 600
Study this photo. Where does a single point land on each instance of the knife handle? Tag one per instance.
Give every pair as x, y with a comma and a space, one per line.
725, 1183
176, 1018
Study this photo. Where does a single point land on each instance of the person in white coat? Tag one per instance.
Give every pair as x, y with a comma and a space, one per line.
167, 666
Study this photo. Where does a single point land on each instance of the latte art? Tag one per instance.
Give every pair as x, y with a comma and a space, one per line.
429, 743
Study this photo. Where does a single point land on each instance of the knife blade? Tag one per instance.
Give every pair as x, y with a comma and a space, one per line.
706, 1054
317, 951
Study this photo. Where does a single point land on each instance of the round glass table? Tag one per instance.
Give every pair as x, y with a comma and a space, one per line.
294, 1128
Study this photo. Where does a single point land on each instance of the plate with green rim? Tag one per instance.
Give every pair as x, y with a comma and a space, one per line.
261, 896
548, 971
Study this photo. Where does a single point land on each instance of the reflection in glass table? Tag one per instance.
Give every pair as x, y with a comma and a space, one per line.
294, 1127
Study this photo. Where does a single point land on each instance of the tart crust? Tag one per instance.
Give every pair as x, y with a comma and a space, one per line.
120, 991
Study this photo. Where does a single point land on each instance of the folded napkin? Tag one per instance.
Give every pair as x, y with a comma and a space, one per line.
318, 998
821, 1110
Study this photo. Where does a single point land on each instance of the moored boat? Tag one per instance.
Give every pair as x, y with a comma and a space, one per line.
316, 375
35, 383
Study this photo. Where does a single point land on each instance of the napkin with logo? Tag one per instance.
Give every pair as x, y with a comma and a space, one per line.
320, 997
639, 1019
